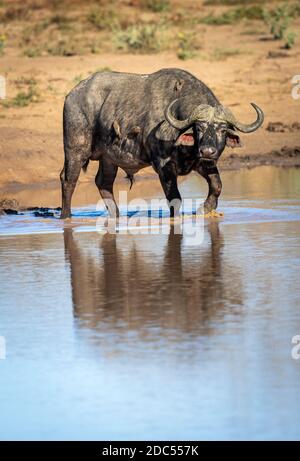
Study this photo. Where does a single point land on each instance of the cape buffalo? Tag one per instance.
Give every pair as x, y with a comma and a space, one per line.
168, 119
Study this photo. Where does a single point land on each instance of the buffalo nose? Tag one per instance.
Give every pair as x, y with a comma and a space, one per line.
207, 152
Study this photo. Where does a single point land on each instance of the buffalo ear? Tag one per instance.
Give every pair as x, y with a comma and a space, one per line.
233, 140
166, 132
186, 138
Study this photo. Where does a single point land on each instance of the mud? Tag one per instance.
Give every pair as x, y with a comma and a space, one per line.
284, 157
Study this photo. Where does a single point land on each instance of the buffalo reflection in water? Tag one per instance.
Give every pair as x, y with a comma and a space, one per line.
133, 282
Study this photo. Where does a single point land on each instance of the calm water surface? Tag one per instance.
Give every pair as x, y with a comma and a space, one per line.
147, 337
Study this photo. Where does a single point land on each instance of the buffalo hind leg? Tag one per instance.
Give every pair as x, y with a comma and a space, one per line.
168, 179
211, 174
68, 177
104, 180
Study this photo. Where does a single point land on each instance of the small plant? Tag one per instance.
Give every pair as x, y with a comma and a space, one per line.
32, 52
23, 98
63, 23
104, 69
221, 54
212, 20
296, 8
77, 78
29, 32
52, 89
158, 6
2, 44
290, 39
25, 81
230, 2
103, 19
186, 46
15, 13
252, 31
94, 49
278, 21
139, 38
63, 48
234, 15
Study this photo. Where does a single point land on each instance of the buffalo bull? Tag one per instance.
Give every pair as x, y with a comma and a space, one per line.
168, 119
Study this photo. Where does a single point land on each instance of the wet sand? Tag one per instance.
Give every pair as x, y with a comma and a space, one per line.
235, 182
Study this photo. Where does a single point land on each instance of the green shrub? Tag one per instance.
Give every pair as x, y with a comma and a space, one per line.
290, 39
235, 15
252, 31
186, 46
2, 44
63, 23
104, 69
139, 38
28, 81
33, 52
63, 48
231, 2
158, 6
23, 98
103, 19
278, 20
78, 78
15, 13
296, 8
221, 54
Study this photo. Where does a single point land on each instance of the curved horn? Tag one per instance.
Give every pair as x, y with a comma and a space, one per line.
179, 124
248, 128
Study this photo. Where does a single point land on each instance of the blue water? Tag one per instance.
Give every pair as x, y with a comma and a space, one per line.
127, 336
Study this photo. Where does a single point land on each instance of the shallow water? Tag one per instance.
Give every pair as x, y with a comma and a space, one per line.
121, 336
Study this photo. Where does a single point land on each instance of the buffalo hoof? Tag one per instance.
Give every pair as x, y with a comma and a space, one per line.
209, 213
65, 216
214, 214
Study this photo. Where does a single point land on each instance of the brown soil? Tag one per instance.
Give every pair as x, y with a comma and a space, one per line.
258, 70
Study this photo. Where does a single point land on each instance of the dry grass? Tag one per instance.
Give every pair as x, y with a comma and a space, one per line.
23, 98
69, 28
139, 38
234, 2
220, 54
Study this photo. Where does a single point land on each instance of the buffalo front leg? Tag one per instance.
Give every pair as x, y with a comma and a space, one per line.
168, 178
68, 177
211, 174
104, 180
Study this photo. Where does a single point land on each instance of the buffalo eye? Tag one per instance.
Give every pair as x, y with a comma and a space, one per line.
223, 129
